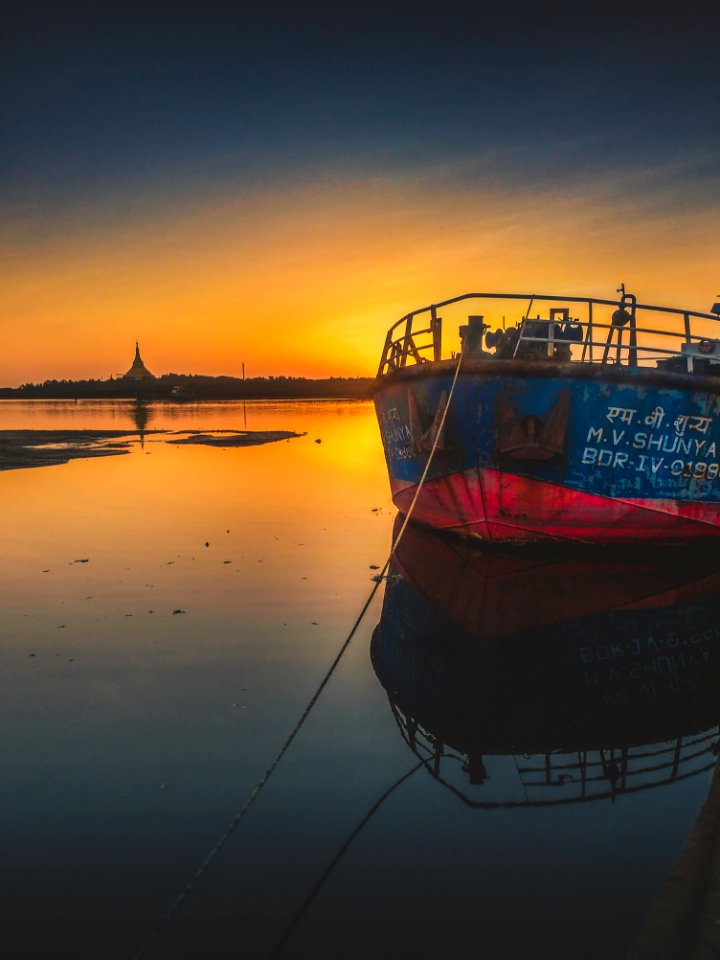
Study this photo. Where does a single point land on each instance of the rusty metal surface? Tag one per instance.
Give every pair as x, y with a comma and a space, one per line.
567, 451
534, 370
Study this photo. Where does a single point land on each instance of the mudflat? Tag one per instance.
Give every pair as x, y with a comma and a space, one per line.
45, 448
231, 438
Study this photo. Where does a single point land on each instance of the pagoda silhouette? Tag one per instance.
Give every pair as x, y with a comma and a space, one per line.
138, 372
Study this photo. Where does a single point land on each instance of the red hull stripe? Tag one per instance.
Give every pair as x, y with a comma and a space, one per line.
502, 507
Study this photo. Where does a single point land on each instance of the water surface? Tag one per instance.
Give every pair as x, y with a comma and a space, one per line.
168, 613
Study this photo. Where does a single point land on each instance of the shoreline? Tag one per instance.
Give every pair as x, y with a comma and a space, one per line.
196, 389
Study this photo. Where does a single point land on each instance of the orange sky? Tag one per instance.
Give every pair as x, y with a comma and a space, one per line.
303, 279
277, 185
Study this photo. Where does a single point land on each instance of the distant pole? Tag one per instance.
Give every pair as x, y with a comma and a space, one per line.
244, 405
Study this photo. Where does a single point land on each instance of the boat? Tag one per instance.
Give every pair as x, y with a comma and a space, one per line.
569, 419
528, 678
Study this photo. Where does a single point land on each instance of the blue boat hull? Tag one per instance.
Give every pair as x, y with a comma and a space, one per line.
555, 451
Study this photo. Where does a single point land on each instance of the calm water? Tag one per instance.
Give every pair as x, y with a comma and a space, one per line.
167, 614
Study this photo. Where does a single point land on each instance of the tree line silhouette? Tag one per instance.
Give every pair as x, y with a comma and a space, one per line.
181, 387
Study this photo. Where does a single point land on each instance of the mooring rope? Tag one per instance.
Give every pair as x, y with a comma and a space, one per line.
232, 825
307, 902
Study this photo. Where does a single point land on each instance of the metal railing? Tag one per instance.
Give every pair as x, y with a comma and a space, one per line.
574, 329
403, 340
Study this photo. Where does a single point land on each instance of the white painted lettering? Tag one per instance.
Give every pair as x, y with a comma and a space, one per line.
655, 419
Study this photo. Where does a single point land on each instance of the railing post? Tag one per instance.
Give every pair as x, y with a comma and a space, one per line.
406, 340
688, 339
551, 338
588, 334
632, 346
436, 324
384, 358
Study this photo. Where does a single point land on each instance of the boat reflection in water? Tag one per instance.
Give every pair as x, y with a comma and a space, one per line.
596, 675
576, 683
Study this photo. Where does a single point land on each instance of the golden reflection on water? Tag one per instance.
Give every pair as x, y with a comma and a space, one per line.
270, 515
167, 614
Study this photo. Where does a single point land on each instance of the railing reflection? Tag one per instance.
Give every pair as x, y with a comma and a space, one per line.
533, 679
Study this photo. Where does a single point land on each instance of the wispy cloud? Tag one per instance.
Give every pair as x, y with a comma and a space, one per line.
338, 257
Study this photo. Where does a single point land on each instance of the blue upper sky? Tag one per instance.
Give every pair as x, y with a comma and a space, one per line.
111, 99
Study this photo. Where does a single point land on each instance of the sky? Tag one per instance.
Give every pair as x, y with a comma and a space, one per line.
275, 187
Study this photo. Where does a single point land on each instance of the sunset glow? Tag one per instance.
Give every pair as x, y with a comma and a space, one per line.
294, 243
445, 631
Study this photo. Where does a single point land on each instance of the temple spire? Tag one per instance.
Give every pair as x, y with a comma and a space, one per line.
138, 370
